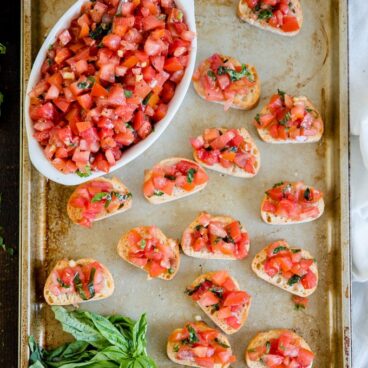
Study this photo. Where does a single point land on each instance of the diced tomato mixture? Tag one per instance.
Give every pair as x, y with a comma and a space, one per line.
86, 280
107, 80
214, 236
185, 175
289, 262
227, 148
294, 201
95, 199
202, 345
220, 293
289, 118
276, 13
284, 351
221, 80
147, 251
300, 302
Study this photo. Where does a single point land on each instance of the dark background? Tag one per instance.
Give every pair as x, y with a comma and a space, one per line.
9, 180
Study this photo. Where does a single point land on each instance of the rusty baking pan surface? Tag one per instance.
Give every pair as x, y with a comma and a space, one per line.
312, 64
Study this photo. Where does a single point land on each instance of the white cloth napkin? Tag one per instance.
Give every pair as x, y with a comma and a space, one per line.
358, 70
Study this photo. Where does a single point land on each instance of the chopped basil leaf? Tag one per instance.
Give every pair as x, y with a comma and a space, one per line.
83, 174
193, 338
268, 347
100, 196
62, 283
296, 250
158, 193
281, 93
180, 15
190, 175
176, 348
251, 350
122, 197
142, 243
209, 148
198, 227
211, 74
308, 109
229, 239
101, 30
233, 149
49, 61
218, 291
293, 280
215, 308
265, 14
308, 195
257, 118
234, 75
299, 306
51, 46
79, 286
82, 85
286, 119
170, 177
218, 341
91, 80
129, 126
147, 98
190, 292
170, 271
279, 249
91, 285
128, 93
278, 184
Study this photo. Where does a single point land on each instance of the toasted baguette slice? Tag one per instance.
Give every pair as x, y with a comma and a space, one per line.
280, 281
214, 316
177, 192
265, 135
123, 249
187, 237
242, 101
201, 326
262, 338
74, 298
246, 14
235, 170
274, 219
76, 214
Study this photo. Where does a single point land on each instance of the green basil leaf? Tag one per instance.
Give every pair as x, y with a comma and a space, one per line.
190, 175
293, 280
234, 75
279, 249
265, 14
100, 196
128, 93
85, 173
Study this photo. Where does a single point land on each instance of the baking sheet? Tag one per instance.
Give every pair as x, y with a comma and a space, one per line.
314, 64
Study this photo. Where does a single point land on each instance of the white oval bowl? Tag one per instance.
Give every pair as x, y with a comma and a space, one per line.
37, 156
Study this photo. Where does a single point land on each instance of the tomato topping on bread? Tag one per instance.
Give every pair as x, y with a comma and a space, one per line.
172, 179
73, 282
291, 203
98, 199
283, 17
291, 269
148, 248
219, 296
288, 119
198, 345
229, 151
223, 79
215, 237
278, 348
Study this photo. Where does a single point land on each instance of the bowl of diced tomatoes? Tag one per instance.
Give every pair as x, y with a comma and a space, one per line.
106, 84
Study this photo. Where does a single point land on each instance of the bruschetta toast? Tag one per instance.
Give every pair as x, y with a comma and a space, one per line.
98, 199
219, 296
288, 119
278, 348
224, 80
74, 282
283, 17
291, 269
172, 179
198, 345
148, 248
215, 237
228, 151
291, 203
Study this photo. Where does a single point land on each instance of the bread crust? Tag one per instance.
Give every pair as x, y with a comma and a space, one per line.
185, 242
202, 326
266, 137
241, 101
235, 170
123, 250
278, 280
75, 214
245, 13
213, 316
261, 339
178, 192
74, 298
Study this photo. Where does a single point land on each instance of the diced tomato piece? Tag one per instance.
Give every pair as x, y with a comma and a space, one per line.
173, 64
305, 357
236, 298
290, 24
208, 298
155, 269
205, 362
233, 322
309, 281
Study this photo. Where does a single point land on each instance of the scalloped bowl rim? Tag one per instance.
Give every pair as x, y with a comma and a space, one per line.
37, 156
